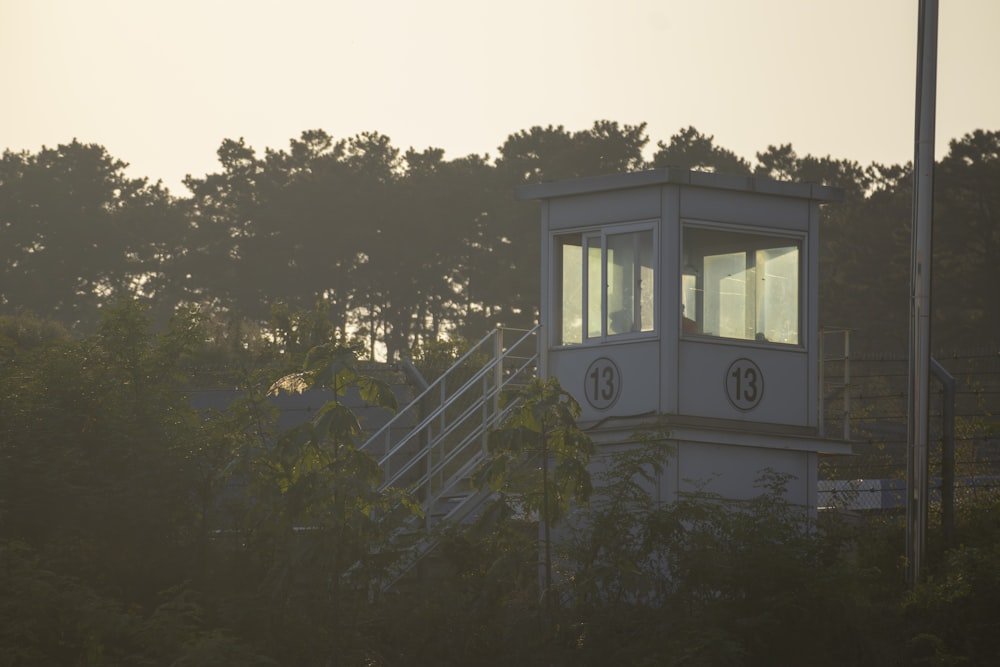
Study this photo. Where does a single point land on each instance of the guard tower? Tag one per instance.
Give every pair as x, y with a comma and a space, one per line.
690, 300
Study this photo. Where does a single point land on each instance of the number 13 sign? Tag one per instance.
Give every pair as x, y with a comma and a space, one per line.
744, 384
602, 383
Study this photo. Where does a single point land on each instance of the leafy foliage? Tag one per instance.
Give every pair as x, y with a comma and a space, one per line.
538, 460
167, 535
136, 531
541, 427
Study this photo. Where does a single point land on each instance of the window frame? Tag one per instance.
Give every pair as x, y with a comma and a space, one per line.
556, 290
799, 239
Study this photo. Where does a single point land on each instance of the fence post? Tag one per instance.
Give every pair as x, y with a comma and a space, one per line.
822, 382
847, 384
498, 372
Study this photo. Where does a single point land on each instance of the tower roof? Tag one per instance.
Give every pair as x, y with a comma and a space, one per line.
683, 177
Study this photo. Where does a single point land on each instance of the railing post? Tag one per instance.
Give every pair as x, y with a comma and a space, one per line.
847, 384
486, 416
498, 371
387, 467
441, 404
428, 479
822, 382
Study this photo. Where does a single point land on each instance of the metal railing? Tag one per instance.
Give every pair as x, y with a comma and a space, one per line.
432, 446
835, 391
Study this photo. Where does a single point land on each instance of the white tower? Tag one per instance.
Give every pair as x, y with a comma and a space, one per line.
689, 300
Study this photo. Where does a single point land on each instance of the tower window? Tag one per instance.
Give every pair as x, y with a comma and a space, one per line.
739, 285
604, 284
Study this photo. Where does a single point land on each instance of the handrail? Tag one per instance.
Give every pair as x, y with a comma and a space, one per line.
426, 392
472, 409
437, 385
436, 412
476, 378
446, 437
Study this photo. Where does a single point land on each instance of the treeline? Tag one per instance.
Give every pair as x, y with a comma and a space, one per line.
394, 248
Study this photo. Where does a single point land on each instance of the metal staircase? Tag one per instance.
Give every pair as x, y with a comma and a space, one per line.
432, 446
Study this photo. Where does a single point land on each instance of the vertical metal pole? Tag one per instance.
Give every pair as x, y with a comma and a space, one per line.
497, 382
499, 369
920, 284
847, 384
822, 383
442, 402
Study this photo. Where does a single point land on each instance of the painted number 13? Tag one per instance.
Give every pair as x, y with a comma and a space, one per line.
744, 384
602, 383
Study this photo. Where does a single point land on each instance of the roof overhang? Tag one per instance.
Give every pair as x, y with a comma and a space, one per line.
681, 177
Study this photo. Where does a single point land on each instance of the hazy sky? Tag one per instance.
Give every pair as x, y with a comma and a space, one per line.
161, 84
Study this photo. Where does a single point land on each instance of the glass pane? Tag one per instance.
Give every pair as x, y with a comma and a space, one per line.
595, 285
569, 291
622, 278
726, 295
690, 290
743, 286
777, 317
646, 287
630, 282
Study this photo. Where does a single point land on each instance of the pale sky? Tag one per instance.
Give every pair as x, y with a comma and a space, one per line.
161, 84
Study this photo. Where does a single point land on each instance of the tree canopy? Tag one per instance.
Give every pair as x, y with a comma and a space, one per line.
396, 248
